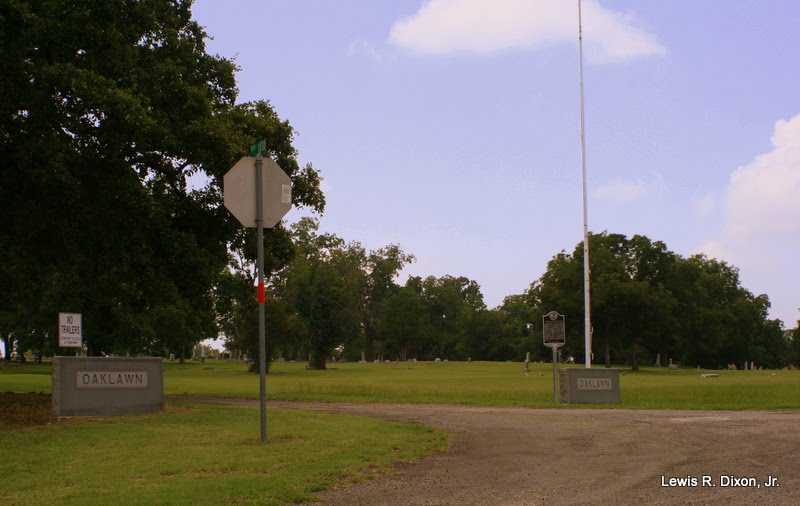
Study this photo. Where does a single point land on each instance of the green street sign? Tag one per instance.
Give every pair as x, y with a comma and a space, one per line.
258, 147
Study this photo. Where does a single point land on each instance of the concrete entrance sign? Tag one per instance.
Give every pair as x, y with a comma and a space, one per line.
100, 386
589, 386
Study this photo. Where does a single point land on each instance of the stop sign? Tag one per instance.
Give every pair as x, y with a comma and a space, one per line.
239, 192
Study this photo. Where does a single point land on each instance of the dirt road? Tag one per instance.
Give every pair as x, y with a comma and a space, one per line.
510, 456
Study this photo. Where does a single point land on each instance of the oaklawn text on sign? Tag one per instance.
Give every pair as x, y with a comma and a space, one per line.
111, 379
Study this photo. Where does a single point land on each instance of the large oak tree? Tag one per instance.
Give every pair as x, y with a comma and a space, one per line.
116, 127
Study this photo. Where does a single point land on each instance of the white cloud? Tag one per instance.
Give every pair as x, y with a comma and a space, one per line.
706, 204
764, 196
621, 191
762, 228
360, 48
443, 27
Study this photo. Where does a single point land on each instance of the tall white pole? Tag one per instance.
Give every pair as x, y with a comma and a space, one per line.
586, 272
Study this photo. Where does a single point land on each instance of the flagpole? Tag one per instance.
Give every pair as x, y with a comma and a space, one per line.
586, 272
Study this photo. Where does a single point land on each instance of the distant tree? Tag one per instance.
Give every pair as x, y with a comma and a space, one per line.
404, 323
521, 326
720, 321
451, 303
485, 337
381, 268
647, 300
322, 285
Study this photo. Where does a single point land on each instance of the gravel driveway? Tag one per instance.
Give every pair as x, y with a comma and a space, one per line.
519, 456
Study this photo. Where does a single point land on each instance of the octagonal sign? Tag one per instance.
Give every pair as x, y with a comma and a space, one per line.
239, 192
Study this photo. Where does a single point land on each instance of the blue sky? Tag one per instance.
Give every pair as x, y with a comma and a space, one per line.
451, 127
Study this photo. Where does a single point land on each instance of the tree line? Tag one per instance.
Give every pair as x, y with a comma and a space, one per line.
336, 300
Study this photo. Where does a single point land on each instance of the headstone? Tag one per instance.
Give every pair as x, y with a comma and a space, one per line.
363, 358
658, 359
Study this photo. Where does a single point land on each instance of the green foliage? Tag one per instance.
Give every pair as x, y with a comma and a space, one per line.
321, 287
794, 345
452, 304
107, 110
381, 268
647, 300
404, 322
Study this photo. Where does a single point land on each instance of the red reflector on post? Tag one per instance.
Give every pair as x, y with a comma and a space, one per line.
261, 297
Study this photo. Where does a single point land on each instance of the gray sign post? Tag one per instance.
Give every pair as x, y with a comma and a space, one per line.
554, 336
258, 205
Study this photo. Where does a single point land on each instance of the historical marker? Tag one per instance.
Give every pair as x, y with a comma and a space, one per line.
553, 329
554, 335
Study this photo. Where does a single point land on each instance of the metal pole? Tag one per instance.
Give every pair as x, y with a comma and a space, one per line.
586, 272
555, 373
262, 341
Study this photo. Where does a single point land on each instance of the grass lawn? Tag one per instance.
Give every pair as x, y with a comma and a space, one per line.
199, 454
205, 454
487, 383
482, 383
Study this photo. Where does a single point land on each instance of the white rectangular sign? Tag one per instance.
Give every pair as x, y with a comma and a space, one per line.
70, 334
111, 379
594, 384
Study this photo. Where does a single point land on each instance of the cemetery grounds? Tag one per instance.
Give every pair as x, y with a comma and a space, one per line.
411, 433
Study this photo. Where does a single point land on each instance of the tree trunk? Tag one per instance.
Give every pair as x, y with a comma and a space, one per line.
369, 339
634, 359
317, 361
607, 350
403, 352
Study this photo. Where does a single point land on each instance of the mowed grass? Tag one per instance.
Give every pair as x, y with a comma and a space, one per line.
479, 383
201, 454
488, 383
209, 454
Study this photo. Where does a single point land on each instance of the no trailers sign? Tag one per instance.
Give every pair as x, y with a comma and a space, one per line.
70, 334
